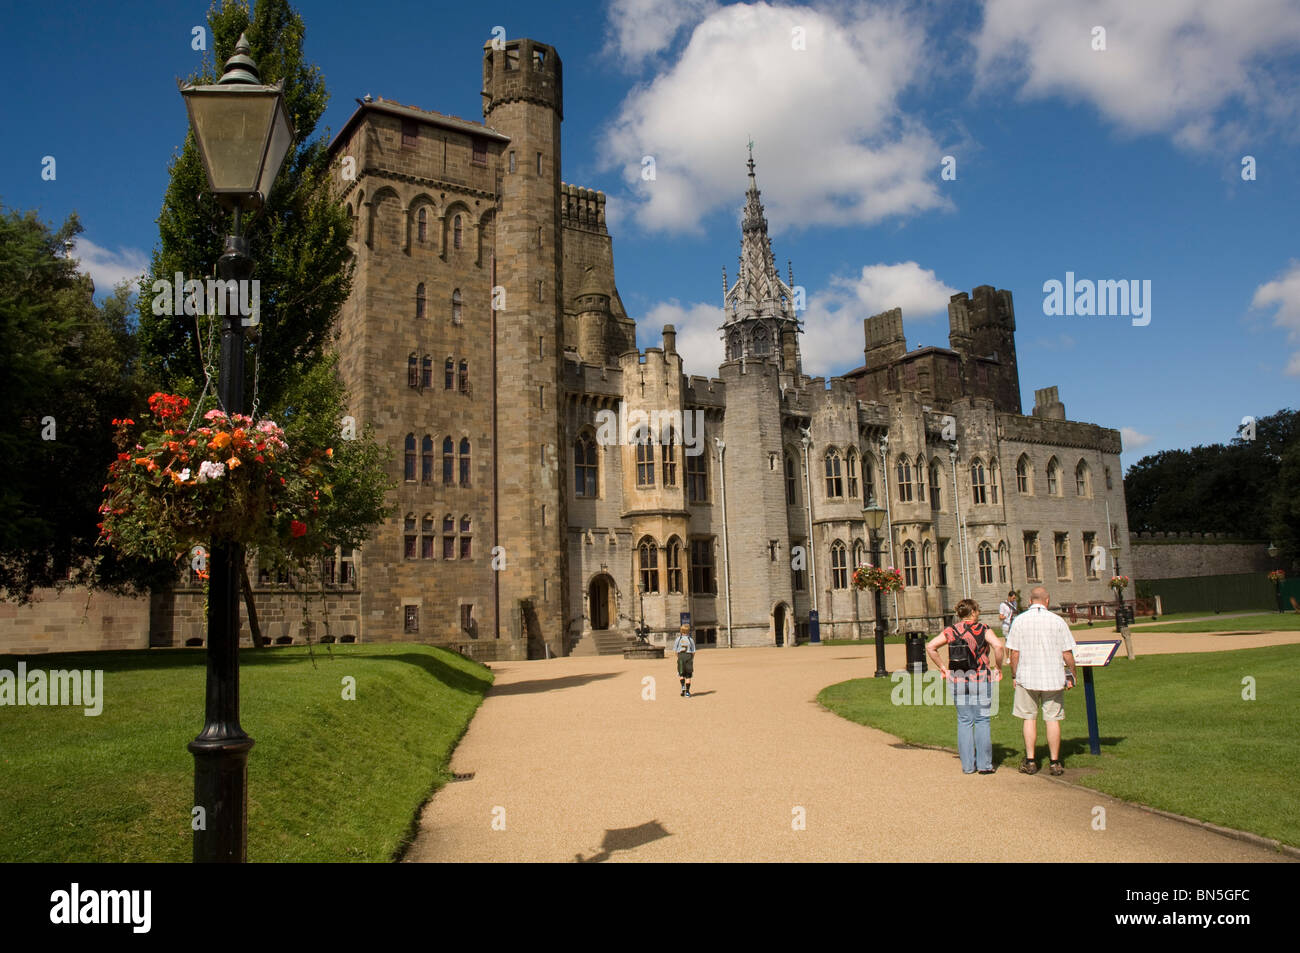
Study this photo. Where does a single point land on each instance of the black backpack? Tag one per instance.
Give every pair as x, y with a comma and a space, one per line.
960, 657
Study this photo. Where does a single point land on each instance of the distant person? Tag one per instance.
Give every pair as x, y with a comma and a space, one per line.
1042, 665
974, 664
1007, 612
684, 646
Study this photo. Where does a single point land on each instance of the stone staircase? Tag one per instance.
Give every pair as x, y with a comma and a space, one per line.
604, 642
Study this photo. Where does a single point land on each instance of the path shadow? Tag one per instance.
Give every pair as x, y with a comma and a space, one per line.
623, 838
548, 684
1073, 746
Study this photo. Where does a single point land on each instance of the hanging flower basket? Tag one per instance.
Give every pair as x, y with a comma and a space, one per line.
229, 481
1276, 576
873, 577
1119, 583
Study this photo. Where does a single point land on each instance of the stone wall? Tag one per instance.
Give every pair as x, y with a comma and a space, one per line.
68, 621
1161, 556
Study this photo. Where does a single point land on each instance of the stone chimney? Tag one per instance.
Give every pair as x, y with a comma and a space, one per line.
670, 339
1047, 404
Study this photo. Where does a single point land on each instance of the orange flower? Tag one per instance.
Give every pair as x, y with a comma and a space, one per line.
233, 462
143, 461
220, 440
329, 452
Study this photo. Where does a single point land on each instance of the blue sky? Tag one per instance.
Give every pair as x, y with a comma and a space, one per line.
1115, 163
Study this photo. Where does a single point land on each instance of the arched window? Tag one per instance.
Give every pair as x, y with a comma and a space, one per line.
839, 566
920, 479
648, 558
462, 381
456, 232
1081, 479
449, 375
466, 551
791, 482
408, 536
1053, 477
697, 478
464, 461
668, 453
448, 537
426, 536
426, 372
859, 554
645, 464
419, 300
904, 473
1024, 475
448, 461
762, 341
909, 563
585, 470
977, 487
456, 302
834, 482
410, 459
413, 371
985, 557
851, 465
734, 347
936, 494
422, 225
868, 482
674, 559
426, 460
927, 551
1002, 562
993, 481
1109, 482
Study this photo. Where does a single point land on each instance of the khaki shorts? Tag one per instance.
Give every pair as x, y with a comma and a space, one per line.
1028, 701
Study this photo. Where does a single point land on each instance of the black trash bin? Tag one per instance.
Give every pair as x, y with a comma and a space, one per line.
916, 653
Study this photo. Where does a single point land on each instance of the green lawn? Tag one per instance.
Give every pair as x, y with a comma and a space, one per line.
1265, 621
1175, 732
328, 779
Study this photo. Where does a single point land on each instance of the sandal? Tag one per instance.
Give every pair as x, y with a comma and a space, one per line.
1057, 769
1028, 767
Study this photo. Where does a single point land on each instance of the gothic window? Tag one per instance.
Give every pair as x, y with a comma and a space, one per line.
466, 539
456, 304
426, 459
448, 537
904, 472
413, 371
1090, 564
449, 375
419, 300
979, 493
1024, 475
648, 558
463, 377
1081, 479
674, 559
422, 225
456, 233
697, 478
464, 461
426, 536
410, 459
668, 453
927, 552
985, 558
408, 536
762, 341
410, 134
1062, 545
943, 562
834, 482
839, 566
703, 580
851, 466
734, 346
479, 155
1031, 557
1002, 562
993, 481
585, 470
868, 482
448, 461
790, 481
935, 492
920, 479
426, 371
1109, 484
909, 563
859, 554
645, 464
799, 575
1053, 477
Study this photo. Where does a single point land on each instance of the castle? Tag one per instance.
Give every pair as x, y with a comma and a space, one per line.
485, 340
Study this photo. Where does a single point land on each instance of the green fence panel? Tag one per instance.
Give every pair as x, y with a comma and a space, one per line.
1226, 593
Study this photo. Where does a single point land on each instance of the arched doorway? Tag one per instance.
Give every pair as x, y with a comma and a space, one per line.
600, 600
779, 615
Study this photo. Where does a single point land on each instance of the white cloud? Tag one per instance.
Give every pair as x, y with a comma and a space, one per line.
1133, 440
108, 267
642, 28
831, 143
832, 341
1183, 67
1284, 292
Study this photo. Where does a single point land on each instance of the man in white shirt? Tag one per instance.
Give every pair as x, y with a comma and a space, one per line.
1007, 612
1042, 649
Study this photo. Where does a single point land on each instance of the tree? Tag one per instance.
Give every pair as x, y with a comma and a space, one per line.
1285, 523
67, 368
299, 244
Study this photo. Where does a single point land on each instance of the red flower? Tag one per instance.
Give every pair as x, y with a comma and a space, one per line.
297, 529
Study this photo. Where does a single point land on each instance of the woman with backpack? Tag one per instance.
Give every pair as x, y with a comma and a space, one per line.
974, 665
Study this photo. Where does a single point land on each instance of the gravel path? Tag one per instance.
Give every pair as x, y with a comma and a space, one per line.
575, 765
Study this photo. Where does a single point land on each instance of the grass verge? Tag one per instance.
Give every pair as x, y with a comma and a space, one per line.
328, 779
1175, 731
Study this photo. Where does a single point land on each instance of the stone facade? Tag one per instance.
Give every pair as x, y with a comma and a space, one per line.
1173, 556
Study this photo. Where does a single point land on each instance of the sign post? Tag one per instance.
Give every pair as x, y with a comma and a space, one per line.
1087, 656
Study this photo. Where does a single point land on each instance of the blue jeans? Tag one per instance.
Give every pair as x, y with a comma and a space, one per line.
974, 733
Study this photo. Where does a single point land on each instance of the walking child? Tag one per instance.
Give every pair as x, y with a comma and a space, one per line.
684, 646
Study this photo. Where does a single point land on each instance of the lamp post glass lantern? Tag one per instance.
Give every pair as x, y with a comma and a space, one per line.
243, 134
874, 517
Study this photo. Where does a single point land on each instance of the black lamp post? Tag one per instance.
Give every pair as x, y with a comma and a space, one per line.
243, 135
1119, 593
874, 515
644, 629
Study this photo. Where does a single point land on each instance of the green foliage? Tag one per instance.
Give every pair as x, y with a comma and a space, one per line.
1285, 523
1213, 489
66, 369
